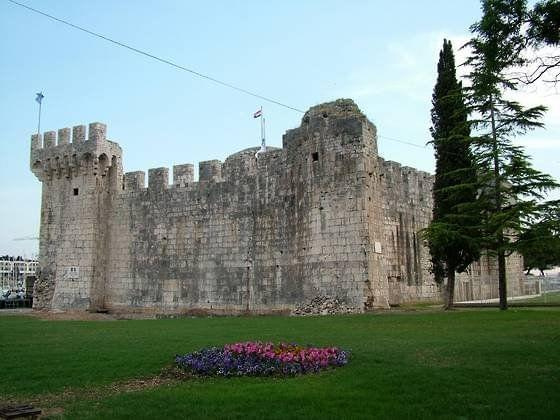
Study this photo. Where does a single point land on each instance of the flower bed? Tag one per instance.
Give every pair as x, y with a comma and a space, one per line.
261, 359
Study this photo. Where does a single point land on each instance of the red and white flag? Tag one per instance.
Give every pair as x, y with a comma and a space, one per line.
257, 114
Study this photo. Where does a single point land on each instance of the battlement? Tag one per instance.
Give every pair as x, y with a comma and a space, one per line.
210, 170
405, 185
183, 175
134, 181
158, 178
394, 169
53, 152
97, 134
325, 129
238, 165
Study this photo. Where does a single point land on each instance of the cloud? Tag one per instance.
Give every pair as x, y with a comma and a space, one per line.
408, 69
397, 80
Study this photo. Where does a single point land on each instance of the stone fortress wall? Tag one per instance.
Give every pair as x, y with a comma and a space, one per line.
322, 216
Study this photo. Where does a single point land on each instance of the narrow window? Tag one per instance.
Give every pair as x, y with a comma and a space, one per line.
75, 191
315, 156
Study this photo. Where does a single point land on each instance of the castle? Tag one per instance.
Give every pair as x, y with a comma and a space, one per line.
322, 216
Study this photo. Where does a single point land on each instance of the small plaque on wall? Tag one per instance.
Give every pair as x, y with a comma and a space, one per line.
73, 272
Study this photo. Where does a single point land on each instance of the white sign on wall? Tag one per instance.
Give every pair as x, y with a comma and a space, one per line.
73, 272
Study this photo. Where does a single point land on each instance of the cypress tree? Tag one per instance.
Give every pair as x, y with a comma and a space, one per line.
453, 234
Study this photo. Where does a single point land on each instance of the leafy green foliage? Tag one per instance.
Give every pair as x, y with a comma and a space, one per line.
544, 23
541, 29
510, 189
452, 234
540, 244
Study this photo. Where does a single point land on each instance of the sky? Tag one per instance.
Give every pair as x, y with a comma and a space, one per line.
381, 54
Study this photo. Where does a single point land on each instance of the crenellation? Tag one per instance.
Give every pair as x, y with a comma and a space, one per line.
158, 179
36, 142
63, 136
97, 132
76, 158
183, 175
210, 170
49, 139
78, 134
134, 181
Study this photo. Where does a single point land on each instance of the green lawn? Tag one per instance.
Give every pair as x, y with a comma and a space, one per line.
551, 297
463, 364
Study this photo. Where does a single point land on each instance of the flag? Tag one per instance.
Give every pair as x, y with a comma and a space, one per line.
39, 97
257, 114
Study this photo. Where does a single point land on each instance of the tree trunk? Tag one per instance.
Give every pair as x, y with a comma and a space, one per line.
502, 283
450, 290
498, 209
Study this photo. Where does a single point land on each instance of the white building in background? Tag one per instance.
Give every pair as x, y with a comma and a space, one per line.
14, 273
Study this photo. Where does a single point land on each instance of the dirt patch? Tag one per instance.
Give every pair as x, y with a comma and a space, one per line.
52, 412
53, 404
72, 316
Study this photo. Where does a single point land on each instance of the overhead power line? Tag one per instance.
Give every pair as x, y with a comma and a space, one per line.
403, 142
180, 67
155, 57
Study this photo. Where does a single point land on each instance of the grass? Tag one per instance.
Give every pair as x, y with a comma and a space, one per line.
463, 364
551, 297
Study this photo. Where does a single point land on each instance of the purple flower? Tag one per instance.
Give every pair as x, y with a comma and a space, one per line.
261, 359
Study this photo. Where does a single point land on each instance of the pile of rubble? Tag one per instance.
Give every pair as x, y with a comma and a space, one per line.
323, 305
43, 291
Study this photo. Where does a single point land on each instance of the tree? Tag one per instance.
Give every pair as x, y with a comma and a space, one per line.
511, 192
544, 23
540, 246
542, 29
452, 235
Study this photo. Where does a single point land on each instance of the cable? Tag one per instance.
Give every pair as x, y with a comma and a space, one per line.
180, 67
163, 60
403, 142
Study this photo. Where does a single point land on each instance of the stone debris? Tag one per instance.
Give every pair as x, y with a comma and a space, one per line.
43, 291
323, 305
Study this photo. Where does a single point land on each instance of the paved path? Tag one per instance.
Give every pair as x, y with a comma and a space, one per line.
495, 300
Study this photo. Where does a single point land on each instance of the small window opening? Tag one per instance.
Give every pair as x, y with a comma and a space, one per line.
315, 156
75, 191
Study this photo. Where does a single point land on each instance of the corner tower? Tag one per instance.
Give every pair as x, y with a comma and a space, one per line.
80, 179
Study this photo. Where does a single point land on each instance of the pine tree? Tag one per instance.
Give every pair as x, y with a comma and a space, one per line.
510, 190
541, 38
544, 23
452, 235
540, 246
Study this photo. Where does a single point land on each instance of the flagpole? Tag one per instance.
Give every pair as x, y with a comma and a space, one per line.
263, 133
39, 123
39, 98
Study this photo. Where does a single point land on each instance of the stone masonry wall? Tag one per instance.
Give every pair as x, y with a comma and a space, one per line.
407, 209
323, 219
76, 181
250, 235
